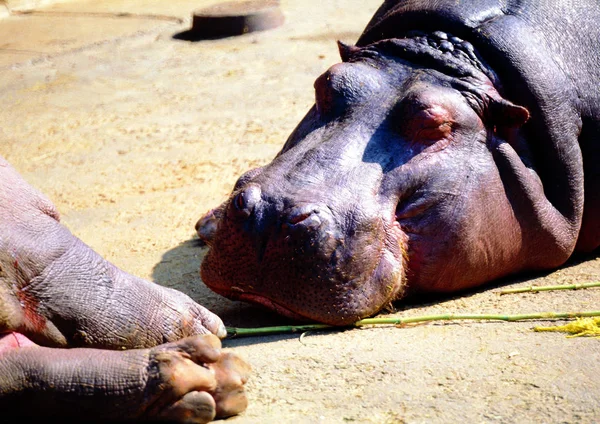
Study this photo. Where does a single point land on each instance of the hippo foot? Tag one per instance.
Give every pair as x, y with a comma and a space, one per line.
57, 291
188, 381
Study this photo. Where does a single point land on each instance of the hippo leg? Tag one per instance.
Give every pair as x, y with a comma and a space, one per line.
57, 291
188, 381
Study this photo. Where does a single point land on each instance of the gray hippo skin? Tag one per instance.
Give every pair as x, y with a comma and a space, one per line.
456, 143
56, 293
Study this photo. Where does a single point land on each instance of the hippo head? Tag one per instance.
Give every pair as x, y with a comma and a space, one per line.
387, 186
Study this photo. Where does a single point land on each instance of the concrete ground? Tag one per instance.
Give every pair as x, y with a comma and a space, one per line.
135, 132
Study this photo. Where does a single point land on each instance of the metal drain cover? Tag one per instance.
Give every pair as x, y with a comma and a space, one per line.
236, 18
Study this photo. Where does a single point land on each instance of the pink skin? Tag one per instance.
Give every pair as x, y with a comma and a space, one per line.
13, 340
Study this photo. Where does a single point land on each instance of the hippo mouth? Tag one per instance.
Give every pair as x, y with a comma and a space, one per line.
237, 294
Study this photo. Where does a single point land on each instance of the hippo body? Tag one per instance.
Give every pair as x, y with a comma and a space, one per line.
456, 143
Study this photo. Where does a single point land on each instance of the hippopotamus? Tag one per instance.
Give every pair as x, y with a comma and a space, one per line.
456, 143
57, 293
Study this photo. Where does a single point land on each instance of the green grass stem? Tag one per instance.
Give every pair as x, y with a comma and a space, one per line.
286, 329
535, 289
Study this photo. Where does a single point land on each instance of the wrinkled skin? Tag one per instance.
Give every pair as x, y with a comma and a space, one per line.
188, 381
56, 292
428, 164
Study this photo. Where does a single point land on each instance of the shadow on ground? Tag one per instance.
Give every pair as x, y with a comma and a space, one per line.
179, 268
194, 36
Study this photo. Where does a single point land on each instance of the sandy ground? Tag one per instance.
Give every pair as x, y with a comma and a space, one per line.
134, 133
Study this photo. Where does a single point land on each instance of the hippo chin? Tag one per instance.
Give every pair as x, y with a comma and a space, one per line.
452, 146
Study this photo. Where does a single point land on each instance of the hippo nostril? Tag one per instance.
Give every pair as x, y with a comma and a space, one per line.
294, 219
239, 201
247, 199
307, 216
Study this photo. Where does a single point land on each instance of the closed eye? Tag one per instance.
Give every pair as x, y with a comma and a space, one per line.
420, 123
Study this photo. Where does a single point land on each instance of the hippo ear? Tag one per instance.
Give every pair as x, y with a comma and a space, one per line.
503, 113
346, 50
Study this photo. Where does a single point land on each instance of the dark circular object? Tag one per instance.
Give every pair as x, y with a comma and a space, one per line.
236, 18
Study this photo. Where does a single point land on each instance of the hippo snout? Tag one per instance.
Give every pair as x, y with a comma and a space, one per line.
309, 217
282, 225
248, 207
302, 259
